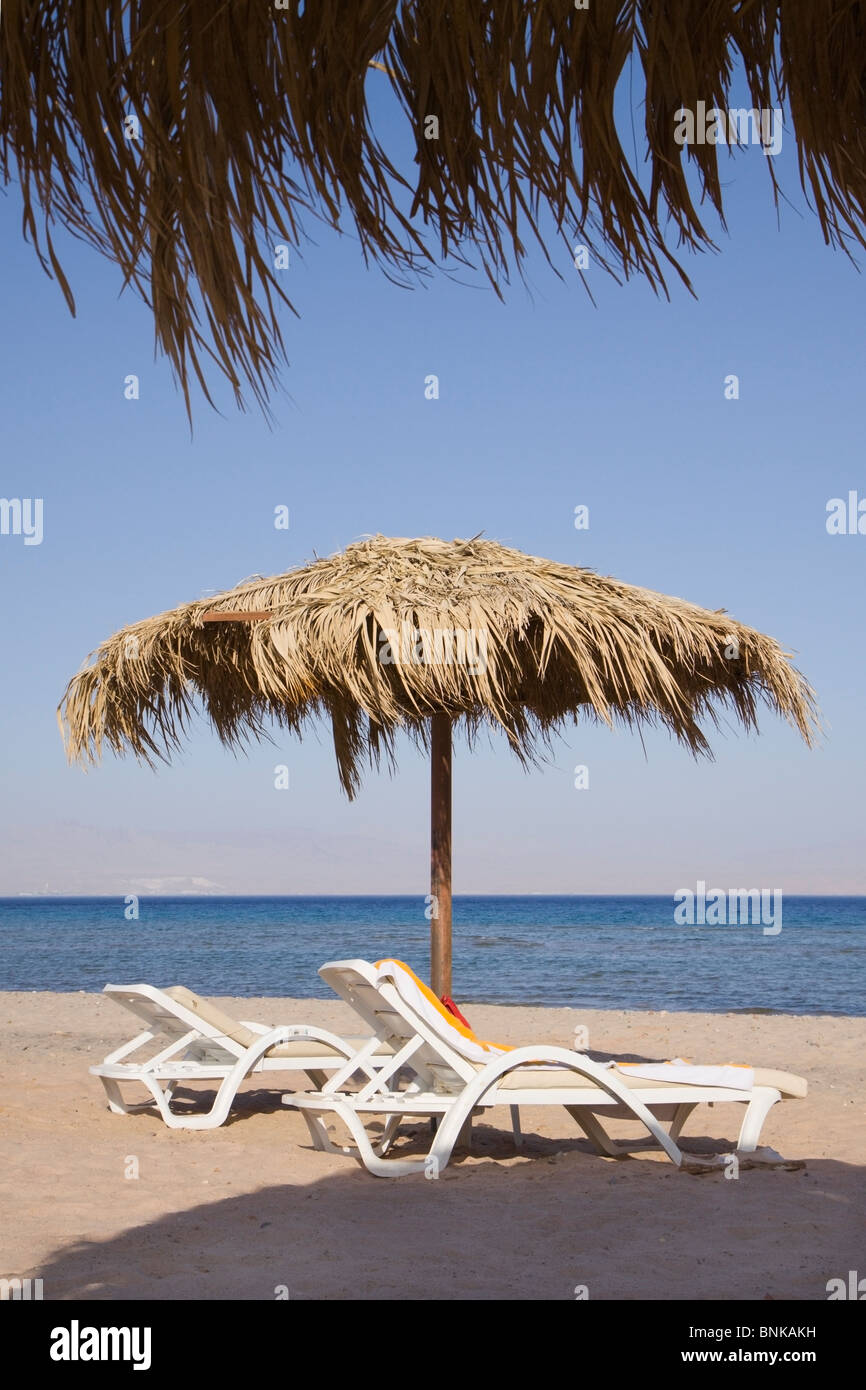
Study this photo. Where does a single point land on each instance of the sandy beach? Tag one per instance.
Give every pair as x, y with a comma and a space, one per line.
241, 1211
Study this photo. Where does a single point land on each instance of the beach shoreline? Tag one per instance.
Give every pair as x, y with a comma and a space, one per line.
103, 1206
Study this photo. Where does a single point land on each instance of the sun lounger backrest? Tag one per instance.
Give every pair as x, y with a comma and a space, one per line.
455, 1033
209, 1012
171, 1013
397, 1020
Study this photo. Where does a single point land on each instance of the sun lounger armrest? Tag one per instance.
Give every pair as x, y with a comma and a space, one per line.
297, 1032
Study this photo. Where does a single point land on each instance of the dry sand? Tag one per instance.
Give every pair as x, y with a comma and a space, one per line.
238, 1211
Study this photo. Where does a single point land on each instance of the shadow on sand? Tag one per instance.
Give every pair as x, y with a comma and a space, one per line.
551, 1218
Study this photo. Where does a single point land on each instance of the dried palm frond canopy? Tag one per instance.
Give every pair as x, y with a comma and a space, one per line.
422, 636
390, 632
184, 138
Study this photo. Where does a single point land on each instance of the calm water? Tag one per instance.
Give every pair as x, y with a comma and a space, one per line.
606, 952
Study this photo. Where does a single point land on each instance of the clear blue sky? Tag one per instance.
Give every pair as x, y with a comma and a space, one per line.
546, 402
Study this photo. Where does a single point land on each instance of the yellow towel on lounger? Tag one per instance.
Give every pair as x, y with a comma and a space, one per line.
424, 1001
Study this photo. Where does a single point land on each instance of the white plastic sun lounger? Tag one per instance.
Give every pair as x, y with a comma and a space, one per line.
458, 1075
196, 1041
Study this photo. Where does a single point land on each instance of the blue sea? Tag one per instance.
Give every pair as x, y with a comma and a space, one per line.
595, 952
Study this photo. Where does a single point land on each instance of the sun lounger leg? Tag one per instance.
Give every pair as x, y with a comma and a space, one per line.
173, 1121
225, 1096
116, 1104
515, 1126
681, 1114
370, 1154
762, 1102
595, 1132
322, 1139
392, 1124
319, 1133
211, 1119
119, 1106
452, 1127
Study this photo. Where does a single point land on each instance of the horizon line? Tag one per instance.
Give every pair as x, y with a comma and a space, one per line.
374, 897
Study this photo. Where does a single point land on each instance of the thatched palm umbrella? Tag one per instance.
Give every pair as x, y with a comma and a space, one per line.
423, 635
184, 138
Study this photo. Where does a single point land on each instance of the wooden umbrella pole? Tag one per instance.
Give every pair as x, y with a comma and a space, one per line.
440, 854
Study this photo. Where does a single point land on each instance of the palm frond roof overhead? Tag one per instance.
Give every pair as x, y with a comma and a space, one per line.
184, 138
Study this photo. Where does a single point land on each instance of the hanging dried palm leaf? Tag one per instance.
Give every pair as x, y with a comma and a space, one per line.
183, 138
